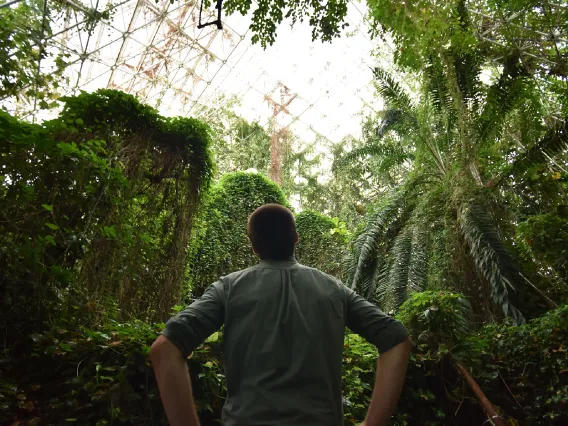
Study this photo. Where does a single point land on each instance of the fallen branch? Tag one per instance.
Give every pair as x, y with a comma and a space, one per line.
495, 418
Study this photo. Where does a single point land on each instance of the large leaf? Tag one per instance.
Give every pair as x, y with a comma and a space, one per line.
368, 257
406, 270
492, 259
394, 95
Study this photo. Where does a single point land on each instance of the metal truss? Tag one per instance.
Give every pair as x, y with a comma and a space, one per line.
155, 51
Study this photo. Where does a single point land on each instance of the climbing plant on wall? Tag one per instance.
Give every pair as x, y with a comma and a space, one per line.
99, 203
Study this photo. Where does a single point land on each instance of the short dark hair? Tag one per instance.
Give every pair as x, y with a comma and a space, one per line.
272, 231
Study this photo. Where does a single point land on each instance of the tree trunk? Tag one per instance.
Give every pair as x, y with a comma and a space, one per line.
485, 403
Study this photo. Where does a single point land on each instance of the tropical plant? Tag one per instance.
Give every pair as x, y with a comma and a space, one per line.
447, 205
30, 71
326, 21
97, 204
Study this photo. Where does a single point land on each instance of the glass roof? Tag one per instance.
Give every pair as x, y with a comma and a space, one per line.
155, 51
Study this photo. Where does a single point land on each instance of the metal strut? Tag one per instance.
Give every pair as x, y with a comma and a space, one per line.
217, 21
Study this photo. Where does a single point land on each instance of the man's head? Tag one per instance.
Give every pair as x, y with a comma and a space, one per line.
272, 231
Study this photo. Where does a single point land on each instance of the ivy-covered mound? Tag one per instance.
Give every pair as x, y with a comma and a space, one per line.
323, 242
97, 210
65, 376
221, 245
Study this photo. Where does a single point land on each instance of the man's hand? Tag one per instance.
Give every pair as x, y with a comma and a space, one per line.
391, 369
174, 383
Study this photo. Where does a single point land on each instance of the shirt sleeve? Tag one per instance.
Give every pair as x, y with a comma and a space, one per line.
190, 327
371, 323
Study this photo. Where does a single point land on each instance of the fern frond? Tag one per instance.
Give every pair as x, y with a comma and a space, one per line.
492, 258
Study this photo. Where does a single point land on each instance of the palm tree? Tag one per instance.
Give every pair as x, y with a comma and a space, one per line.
447, 224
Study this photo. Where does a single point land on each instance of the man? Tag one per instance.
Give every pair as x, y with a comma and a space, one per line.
283, 339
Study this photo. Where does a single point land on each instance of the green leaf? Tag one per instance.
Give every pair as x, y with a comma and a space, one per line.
213, 338
65, 346
47, 207
79, 121
109, 231
51, 225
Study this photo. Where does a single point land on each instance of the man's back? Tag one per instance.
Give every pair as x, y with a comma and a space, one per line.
283, 341
284, 327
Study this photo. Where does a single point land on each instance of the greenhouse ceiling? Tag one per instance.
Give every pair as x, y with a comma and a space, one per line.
155, 51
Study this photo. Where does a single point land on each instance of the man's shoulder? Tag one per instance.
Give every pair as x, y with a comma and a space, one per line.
237, 274
320, 274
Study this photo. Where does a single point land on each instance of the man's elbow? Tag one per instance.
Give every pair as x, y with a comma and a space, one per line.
401, 349
163, 349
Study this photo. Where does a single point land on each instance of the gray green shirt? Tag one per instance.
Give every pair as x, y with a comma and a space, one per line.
283, 341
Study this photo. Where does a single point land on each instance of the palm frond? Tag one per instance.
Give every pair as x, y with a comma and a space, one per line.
394, 154
405, 272
369, 248
391, 118
418, 266
437, 90
467, 62
553, 142
395, 290
390, 90
501, 98
492, 259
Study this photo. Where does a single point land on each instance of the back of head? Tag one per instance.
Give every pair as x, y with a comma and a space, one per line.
272, 231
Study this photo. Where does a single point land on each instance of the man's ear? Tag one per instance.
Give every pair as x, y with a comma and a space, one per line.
297, 238
252, 245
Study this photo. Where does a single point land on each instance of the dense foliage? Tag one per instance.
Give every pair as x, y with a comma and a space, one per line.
31, 74
102, 376
449, 220
326, 20
108, 219
98, 207
323, 242
221, 245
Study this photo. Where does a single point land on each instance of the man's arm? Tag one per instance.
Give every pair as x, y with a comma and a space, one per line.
391, 339
391, 369
174, 383
183, 333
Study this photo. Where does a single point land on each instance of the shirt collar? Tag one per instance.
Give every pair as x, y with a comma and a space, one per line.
289, 261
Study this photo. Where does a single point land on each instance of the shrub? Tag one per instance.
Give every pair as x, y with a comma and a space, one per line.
323, 242
221, 245
436, 313
105, 195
